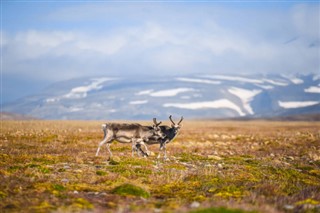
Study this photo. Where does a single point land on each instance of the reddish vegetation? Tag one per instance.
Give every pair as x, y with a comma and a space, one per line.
253, 166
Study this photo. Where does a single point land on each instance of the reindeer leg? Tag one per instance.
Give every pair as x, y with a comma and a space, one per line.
108, 148
134, 149
143, 153
138, 149
147, 153
101, 144
160, 148
165, 152
138, 146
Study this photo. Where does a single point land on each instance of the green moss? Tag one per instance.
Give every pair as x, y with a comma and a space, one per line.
32, 165
136, 161
86, 187
219, 210
175, 166
101, 173
315, 172
308, 201
184, 190
3, 195
82, 204
58, 187
113, 161
142, 172
46, 159
230, 191
45, 170
129, 189
49, 138
189, 157
43, 207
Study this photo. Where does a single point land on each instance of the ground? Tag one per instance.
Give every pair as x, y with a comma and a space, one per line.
214, 166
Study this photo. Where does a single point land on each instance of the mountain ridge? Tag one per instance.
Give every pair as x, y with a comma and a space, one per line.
194, 96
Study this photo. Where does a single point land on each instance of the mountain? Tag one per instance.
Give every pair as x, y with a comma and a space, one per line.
193, 96
14, 116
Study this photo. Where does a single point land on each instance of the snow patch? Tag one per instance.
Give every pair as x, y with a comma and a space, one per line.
296, 80
277, 83
246, 96
246, 80
195, 80
316, 77
234, 78
170, 92
81, 92
222, 103
296, 104
138, 102
312, 89
265, 86
293, 79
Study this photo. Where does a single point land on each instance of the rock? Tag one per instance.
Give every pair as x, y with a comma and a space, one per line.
114, 160
288, 207
151, 153
75, 192
214, 157
220, 166
195, 204
215, 136
290, 158
65, 180
225, 137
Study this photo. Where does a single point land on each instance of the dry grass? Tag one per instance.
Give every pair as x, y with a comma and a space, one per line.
250, 166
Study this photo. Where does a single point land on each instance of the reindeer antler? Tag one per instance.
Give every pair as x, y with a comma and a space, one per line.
170, 117
180, 120
155, 122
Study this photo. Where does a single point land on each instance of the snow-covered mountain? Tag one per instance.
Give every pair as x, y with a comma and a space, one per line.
196, 96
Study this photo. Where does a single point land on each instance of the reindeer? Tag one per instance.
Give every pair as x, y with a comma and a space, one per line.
169, 132
129, 133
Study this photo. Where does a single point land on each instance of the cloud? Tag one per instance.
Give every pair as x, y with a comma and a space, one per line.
169, 39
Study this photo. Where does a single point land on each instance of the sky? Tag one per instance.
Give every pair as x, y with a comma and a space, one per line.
48, 41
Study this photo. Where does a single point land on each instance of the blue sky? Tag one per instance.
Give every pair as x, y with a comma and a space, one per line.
47, 41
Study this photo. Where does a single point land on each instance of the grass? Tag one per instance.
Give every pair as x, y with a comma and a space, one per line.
50, 166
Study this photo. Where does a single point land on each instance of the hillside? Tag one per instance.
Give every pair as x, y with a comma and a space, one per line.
14, 116
197, 96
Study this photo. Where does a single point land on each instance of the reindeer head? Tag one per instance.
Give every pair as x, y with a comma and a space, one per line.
157, 129
175, 126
